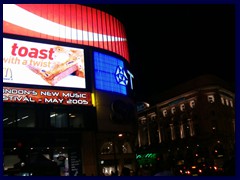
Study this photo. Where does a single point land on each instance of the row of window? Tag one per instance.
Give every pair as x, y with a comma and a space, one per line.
210, 99
111, 148
30, 117
152, 133
182, 108
226, 101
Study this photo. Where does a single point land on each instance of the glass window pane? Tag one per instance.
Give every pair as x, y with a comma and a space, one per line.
76, 120
9, 116
59, 119
26, 117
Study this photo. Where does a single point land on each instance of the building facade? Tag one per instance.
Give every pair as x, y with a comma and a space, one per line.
192, 127
67, 90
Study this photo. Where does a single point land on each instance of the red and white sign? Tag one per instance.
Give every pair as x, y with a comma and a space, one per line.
45, 96
72, 23
43, 64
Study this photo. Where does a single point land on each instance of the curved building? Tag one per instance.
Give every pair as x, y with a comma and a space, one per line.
67, 90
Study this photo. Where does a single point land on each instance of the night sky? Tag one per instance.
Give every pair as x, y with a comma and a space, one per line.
171, 44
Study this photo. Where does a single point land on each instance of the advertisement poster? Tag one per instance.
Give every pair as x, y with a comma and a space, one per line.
44, 96
43, 64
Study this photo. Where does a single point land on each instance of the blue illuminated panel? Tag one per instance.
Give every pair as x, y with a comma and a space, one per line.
108, 70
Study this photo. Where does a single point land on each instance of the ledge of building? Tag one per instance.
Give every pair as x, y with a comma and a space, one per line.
196, 83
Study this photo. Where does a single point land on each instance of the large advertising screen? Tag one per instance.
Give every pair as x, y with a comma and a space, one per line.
43, 64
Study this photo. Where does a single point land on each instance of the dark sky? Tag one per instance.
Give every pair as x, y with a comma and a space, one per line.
171, 44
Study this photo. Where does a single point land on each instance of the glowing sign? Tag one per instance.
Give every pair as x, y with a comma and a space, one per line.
43, 64
110, 74
72, 23
148, 158
121, 76
45, 96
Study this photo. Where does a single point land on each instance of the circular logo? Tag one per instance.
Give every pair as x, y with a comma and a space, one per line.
121, 76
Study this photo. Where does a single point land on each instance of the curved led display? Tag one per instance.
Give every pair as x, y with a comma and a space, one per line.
70, 23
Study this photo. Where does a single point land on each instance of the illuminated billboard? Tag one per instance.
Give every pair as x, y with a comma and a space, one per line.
71, 23
111, 74
45, 96
43, 64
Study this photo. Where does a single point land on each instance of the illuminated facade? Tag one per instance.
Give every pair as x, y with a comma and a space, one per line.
192, 125
67, 88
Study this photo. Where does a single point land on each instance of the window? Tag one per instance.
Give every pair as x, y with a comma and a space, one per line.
191, 128
222, 100
143, 135
59, 120
153, 116
107, 148
182, 132
211, 98
153, 132
19, 116
76, 120
182, 107
164, 113
173, 135
143, 120
65, 118
173, 110
227, 102
231, 103
26, 117
126, 147
192, 103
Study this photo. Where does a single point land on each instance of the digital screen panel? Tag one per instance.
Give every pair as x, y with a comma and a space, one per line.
110, 74
43, 64
45, 96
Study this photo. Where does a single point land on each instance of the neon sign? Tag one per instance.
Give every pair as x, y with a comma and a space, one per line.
45, 96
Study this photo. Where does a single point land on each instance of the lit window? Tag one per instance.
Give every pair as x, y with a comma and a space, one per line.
222, 100
182, 132
231, 103
173, 135
211, 98
143, 120
107, 148
173, 110
227, 102
182, 107
192, 104
191, 127
126, 147
59, 119
164, 113
19, 116
153, 117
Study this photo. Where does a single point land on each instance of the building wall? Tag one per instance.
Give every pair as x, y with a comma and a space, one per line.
199, 118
